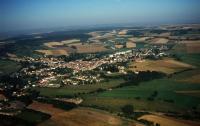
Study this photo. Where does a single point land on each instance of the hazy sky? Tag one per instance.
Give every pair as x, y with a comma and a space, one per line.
33, 14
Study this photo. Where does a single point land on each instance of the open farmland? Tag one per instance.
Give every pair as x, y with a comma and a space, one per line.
54, 52
159, 41
8, 66
192, 79
115, 104
192, 46
191, 76
59, 48
168, 121
65, 42
139, 39
71, 46
189, 47
57, 51
130, 44
166, 98
123, 32
52, 44
166, 65
78, 116
90, 48
72, 90
193, 59
110, 77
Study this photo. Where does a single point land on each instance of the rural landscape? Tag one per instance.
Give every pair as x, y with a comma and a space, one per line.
108, 75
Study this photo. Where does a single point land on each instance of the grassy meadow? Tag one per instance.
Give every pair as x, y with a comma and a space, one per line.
8, 66
72, 90
143, 96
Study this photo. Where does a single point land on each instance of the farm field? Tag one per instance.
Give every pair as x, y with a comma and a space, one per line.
168, 121
65, 42
78, 116
8, 66
90, 48
72, 90
193, 59
54, 52
130, 44
61, 87
166, 65
192, 46
71, 46
166, 99
159, 41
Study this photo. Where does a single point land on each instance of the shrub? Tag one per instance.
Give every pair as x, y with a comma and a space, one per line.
128, 110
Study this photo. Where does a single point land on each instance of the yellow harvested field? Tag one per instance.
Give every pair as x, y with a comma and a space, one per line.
166, 65
90, 48
119, 46
74, 44
45, 108
54, 52
168, 121
123, 32
130, 44
190, 41
139, 39
62, 43
70, 41
195, 93
159, 41
78, 117
94, 34
52, 44
77, 47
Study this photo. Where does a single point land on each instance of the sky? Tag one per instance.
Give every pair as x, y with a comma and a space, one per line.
16, 15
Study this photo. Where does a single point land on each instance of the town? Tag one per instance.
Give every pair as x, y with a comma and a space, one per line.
47, 71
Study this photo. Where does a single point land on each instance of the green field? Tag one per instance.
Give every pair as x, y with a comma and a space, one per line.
72, 90
180, 51
193, 59
165, 100
8, 66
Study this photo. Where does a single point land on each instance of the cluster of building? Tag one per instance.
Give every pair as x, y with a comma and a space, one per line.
45, 71
80, 65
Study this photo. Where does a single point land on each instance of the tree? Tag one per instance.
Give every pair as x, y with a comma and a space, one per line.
128, 110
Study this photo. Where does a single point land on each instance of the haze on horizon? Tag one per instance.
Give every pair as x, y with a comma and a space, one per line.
35, 14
